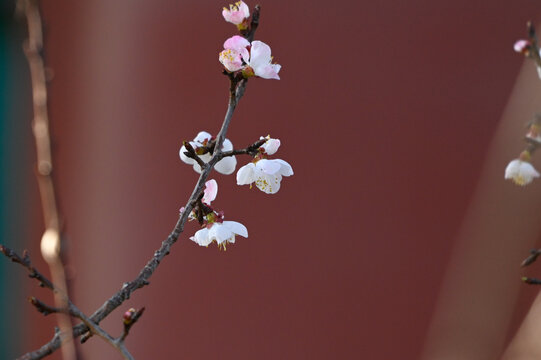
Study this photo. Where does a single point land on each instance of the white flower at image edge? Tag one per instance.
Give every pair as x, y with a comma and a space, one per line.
225, 166
266, 174
521, 172
222, 233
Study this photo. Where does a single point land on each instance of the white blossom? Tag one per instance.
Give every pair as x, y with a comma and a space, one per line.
225, 166
221, 233
521, 172
266, 174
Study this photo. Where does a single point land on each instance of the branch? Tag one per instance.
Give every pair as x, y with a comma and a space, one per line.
141, 280
190, 152
25, 261
250, 150
90, 324
33, 48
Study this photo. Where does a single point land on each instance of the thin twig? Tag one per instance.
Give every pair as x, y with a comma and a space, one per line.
250, 150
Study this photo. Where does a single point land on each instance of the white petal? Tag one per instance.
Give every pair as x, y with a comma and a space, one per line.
244, 9
268, 166
245, 175
227, 165
512, 169
201, 237
202, 136
269, 184
260, 54
521, 172
220, 233
227, 145
196, 168
269, 71
236, 228
271, 146
285, 168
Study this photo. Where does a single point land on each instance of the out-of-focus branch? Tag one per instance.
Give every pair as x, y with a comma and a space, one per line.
33, 48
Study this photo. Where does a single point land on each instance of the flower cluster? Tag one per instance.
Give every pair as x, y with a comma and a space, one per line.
266, 174
252, 59
241, 58
215, 229
239, 55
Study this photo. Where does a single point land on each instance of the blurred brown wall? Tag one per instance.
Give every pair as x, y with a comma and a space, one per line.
385, 111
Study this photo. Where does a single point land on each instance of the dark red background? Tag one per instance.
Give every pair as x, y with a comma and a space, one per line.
385, 110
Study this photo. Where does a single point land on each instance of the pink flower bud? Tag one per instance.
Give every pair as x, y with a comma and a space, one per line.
522, 46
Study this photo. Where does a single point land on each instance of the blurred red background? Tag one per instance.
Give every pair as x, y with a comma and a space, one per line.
385, 110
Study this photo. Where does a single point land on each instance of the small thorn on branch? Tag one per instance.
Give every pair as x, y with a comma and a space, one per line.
534, 254
44, 308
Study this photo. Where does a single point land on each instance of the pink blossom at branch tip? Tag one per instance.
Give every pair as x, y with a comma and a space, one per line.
235, 54
270, 146
210, 192
237, 13
521, 45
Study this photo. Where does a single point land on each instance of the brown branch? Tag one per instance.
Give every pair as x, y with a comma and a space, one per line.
252, 150
534, 253
254, 23
25, 261
44, 308
142, 279
90, 324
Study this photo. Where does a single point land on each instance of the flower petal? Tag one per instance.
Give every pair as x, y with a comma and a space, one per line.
210, 192
269, 71
220, 233
285, 168
269, 184
227, 145
245, 175
271, 146
268, 166
201, 237
236, 228
260, 54
202, 136
236, 43
227, 165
